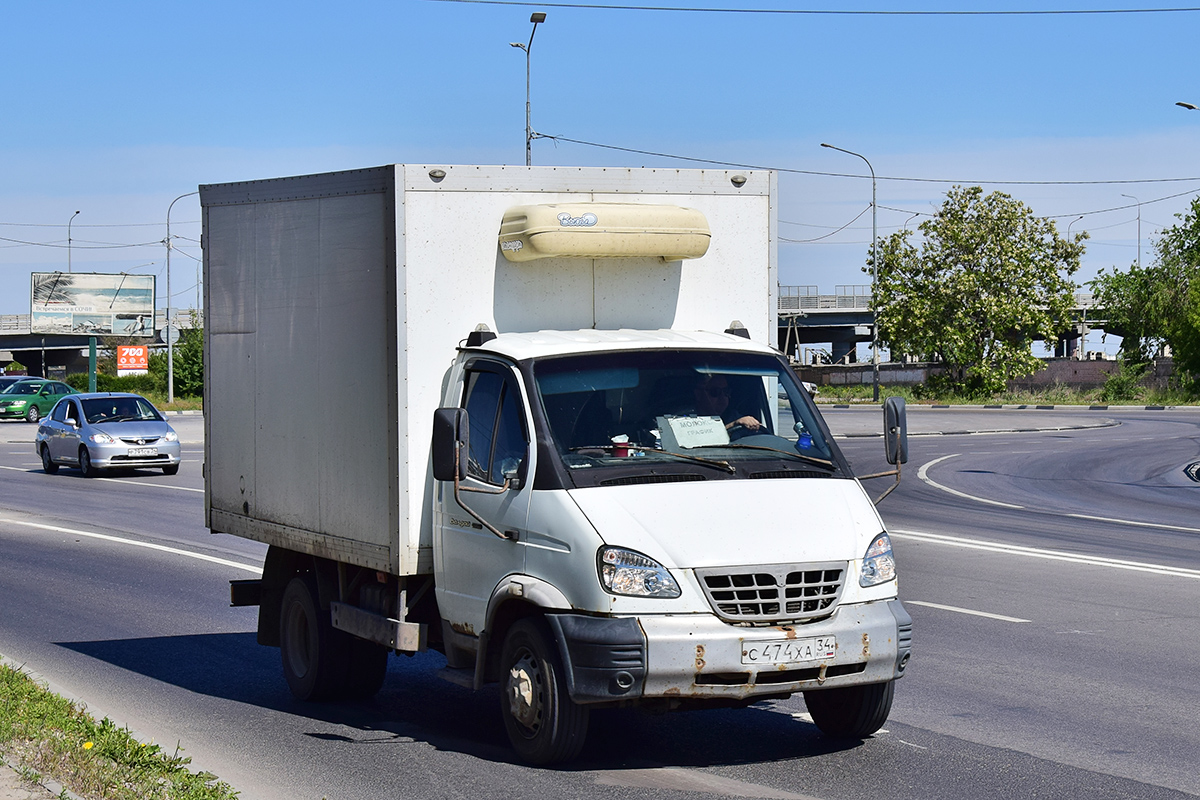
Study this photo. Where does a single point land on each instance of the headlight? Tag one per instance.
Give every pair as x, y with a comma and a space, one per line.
631, 573
878, 564
101, 438
18, 403
171, 436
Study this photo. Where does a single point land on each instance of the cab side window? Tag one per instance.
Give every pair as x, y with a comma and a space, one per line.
498, 441
59, 414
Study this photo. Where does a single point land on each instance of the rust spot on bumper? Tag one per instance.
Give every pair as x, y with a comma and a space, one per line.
463, 628
866, 645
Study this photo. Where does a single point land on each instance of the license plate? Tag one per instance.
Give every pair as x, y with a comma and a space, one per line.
143, 451
788, 651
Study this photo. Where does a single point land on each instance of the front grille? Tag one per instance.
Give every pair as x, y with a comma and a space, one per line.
774, 593
134, 441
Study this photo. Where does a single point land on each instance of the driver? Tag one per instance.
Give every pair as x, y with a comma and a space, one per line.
712, 400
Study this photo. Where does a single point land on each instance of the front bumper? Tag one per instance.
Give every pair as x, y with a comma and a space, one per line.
14, 412
696, 656
116, 455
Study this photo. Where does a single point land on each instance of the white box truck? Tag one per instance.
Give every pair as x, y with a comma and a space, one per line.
529, 417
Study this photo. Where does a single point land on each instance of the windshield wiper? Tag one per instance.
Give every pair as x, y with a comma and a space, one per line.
810, 459
710, 462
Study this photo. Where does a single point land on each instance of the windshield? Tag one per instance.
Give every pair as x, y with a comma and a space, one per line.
707, 412
118, 409
24, 388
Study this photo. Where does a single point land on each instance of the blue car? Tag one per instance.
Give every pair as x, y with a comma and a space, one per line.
107, 431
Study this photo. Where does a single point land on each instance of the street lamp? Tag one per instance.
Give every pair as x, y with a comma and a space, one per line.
167, 323
1072, 222
72, 219
536, 18
1188, 106
874, 276
1139, 210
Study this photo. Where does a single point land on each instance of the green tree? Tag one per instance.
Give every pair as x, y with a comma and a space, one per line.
988, 279
1160, 304
189, 360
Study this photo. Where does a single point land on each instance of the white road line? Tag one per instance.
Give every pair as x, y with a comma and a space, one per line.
972, 612
1138, 524
923, 474
120, 480
149, 545
1048, 555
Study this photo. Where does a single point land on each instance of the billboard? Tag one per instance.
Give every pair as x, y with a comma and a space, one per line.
92, 304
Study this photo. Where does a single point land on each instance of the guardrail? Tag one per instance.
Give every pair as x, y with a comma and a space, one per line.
18, 324
806, 298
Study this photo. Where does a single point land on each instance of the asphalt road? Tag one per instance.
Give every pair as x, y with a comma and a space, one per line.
1052, 578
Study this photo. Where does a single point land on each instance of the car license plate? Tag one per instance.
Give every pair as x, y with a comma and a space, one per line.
788, 651
143, 451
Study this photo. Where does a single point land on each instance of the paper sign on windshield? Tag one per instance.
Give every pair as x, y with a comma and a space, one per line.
688, 432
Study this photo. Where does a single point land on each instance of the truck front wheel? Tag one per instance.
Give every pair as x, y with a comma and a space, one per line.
544, 725
315, 654
852, 712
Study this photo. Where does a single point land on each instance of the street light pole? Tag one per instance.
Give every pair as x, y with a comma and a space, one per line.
1139, 210
167, 322
536, 18
874, 275
72, 219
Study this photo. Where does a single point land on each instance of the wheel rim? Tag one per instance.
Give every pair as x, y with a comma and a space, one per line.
526, 693
33, 414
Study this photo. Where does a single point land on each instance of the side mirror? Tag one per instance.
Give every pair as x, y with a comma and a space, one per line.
895, 430
450, 433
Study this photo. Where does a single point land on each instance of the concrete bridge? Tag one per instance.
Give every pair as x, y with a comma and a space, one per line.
47, 354
826, 328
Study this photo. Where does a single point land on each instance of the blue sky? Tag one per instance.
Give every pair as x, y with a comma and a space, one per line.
116, 109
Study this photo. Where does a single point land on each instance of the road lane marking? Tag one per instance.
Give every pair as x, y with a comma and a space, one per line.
691, 780
121, 480
148, 545
970, 611
923, 474
1133, 522
1048, 555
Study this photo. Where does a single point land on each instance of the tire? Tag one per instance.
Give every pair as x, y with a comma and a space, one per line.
48, 466
315, 655
853, 712
544, 725
85, 463
33, 414
171, 469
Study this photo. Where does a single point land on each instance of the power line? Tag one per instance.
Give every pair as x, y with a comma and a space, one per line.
792, 171
838, 12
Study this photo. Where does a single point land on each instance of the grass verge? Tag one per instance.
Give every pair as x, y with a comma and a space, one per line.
48, 735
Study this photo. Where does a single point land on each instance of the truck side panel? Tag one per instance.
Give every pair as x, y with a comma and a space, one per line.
303, 433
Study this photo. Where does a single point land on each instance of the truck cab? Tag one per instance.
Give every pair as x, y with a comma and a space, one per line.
668, 514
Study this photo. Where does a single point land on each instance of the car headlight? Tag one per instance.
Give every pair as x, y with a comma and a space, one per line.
171, 436
878, 564
631, 573
18, 403
101, 438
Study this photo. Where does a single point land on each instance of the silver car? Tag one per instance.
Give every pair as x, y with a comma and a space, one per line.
106, 431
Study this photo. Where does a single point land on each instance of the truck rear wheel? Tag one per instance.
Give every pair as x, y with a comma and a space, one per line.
544, 725
316, 656
852, 712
